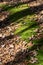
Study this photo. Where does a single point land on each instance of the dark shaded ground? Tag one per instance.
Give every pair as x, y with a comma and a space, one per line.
14, 17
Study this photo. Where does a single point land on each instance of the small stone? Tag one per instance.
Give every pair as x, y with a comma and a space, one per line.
41, 12
3, 45
3, 36
0, 35
12, 33
11, 45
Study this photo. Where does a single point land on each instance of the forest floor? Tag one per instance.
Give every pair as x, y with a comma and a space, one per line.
21, 27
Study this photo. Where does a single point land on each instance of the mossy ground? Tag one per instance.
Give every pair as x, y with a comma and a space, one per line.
21, 15
40, 58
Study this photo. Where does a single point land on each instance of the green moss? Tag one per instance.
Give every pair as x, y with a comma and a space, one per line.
27, 29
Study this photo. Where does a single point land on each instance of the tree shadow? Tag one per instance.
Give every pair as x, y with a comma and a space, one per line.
28, 11
39, 41
25, 12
